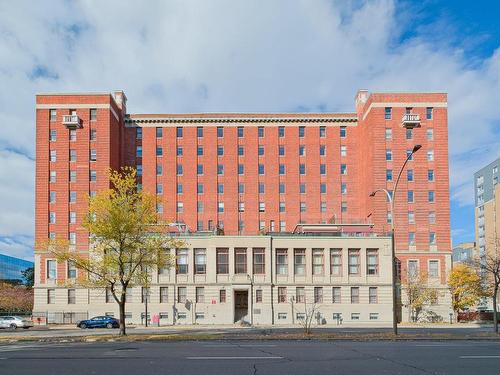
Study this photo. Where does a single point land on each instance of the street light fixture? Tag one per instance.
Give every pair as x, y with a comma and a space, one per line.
393, 245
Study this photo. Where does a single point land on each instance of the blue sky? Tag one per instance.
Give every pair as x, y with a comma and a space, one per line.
258, 56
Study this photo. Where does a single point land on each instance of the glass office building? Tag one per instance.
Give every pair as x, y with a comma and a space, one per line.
11, 268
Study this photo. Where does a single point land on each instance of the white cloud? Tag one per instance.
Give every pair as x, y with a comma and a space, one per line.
177, 56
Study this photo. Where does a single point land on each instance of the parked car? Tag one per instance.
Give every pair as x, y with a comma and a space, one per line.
15, 322
99, 322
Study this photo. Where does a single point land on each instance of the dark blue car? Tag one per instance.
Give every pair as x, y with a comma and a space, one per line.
99, 322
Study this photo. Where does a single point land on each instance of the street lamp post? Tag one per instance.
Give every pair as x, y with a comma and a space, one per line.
393, 237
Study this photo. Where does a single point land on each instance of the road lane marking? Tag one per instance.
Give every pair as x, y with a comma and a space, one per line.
479, 356
257, 345
232, 358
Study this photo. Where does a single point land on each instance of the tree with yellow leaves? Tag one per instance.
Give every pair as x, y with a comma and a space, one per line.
127, 241
465, 287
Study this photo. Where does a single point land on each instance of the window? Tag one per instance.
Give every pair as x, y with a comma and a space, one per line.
220, 132
322, 188
180, 170
302, 206
51, 296
159, 208
388, 174
322, 207
428, 113
159, 151
343, 150
281, 131
241, 151
182, 261
343, 132
302, 150
220, 188
336, 262
409, 133
53, 177
282, 169
180, 151
343, 206
240, 260
220, 150
353, 262
430, 134
318, 261
322, 150
430, 155
433, 268
411, 217
222, 296
72, 238
200, 294
372, 262
52, 217
410, 196
282, 226
432, 217
159, 170
159, 188
322, 169
261, 169
179, 132
343, 188
261, 188
53, 135
220, 207
336, 294
388, 113
181, 295
138, 133
300, 295
372, 295
300, 262
408, 110
199, 132
199, 151
260, 131
51, 269
200, 261
322, 132
241, 169
241, 188
71, 296
354, 295
373, 316
281, 150
388, 155
199, 169
72, 217
159, 132
164, 294
432, 238
302, 188
93, 114
259, 264
282, 294
430, 175
72, 155
72, 135
431, 196
241, 206
318, 294
53, 114
138, 151
52, 197
222, 261
388, 133
409, 175
343, 169
240, 131
302, 131
411, 238
302, 169
282, 188
281, 261
71, 267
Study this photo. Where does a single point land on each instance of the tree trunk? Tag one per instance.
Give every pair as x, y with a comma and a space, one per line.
495, 320
122, 318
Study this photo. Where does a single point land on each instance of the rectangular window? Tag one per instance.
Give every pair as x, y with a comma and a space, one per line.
353, 262
428, 113
261, 169
93, 114
343, 206
281, 169
164, 294
241, 188
432, 217
200, 188
318, 294
388, 113
336, 262
302, 188
159, 132
199, 132
354, 295
220, 150
138, 133
322, 150
220, 132
433, 268
51, 269
281, 131
322, 132
72, 217
179, 132
53, 177
281, 150
372, 295
72, 155
318, 265
343, 188
343, 169
322, 169
430, 134
431, 196
222, 261
322, 207
343, 150
199, 169
71, 267
300, 295
52, 217
159, 170
300, 262
412, 268
302, 150
409, 175
322, 188
302, 206
411, 217
241, 206
222, 296
430, 155
220, 188
72, 238
180, 151
240, 132
71, 296
302, 131
199, 151
282, 294
411, 238
200, 261
282, 261
182, 261
51, 296
302, 169
138, 151
282, 188
336, 294
372, 262
220, 207
180, 170
200, 294
388, 174
53, 114
240, 260
388, 133
53, 135
259, 265
159, 208
343, 131
261, 188
388, 155
159, 151
432, 238
410, 196
260, 131
241, 169
282, 226
409, 134
52, 197
181, 294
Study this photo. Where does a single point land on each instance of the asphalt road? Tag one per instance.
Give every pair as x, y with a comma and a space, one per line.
253, 357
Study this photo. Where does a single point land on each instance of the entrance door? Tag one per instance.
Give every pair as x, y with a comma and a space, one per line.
240, 305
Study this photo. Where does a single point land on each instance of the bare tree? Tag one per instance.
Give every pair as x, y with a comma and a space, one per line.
310, 311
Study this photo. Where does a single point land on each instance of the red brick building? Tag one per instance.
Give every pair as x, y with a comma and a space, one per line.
251, 173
